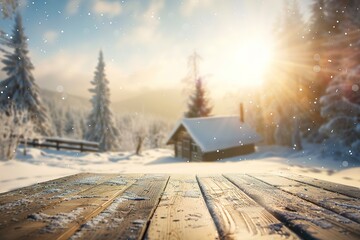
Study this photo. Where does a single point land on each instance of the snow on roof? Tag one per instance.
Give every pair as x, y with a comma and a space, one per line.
215, 133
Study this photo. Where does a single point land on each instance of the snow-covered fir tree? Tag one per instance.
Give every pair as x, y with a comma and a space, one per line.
318, 73
8, 7
341, 103
198, 105
341, 108
19, 88
281, 90
100, 124
71, 128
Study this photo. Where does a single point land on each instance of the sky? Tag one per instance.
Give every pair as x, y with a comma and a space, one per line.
146, 44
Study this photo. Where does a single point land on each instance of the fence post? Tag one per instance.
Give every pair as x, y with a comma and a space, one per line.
81, 147
57, 145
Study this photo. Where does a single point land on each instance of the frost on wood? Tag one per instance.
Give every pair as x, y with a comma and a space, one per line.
116, 181
133, 196
88, 180
100, 125
57, 221
102, 218
19, 88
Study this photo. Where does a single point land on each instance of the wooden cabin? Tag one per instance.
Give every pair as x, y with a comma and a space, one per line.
212, 138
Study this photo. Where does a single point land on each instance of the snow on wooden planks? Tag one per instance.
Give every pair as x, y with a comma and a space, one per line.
305, 218
16, 205
182, 212
238, 216
346, 206
333, 187
130, 214
149, 206
61, 219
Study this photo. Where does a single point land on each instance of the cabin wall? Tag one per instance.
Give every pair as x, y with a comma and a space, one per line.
230, 152
196, 153
186, 148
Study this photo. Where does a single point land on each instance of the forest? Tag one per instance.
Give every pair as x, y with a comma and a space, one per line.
310, 92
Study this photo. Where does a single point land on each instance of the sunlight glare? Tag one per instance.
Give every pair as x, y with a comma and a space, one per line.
252, 60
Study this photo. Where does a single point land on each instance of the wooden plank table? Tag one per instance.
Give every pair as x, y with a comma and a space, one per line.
159, 206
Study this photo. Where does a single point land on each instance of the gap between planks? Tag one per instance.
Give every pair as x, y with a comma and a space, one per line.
131, 215
88, 200
232, 205
236, 215
343, 205
305, 218
182, 212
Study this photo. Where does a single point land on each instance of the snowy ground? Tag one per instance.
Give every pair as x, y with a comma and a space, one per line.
43, 164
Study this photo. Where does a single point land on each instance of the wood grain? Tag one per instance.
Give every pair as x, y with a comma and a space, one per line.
238, 216
330, 186
306, 219
182, 212
17, 205
63, 218
154, 206
130, 217
346, 206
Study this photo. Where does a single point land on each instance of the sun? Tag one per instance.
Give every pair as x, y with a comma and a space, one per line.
252, 61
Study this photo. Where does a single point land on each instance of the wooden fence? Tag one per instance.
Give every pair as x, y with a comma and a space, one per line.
59, 143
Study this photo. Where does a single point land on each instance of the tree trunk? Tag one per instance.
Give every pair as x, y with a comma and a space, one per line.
25, 145
296, 136
139, 144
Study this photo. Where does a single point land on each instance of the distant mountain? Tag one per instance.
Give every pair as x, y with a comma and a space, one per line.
167, 103
164, 103
66, 100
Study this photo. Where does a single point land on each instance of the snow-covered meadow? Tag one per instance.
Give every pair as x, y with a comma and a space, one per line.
44, 164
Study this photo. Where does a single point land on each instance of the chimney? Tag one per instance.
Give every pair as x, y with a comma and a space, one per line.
241, 112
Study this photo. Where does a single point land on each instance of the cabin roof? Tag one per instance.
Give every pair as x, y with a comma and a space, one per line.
215, 133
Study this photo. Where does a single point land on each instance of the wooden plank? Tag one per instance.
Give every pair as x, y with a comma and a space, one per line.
346, 206
330, 186
304, 218
20, 192
236, 215
16, 199
130, 214
64, 218
17, 205
182, 212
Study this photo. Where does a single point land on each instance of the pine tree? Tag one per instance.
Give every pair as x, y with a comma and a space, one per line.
282, 97
315, 84
341, 103
341, 108
71, 128
59, 122
199, 104
101, 127
8, 7
19, 88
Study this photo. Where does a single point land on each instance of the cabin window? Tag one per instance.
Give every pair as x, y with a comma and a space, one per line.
194, 147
